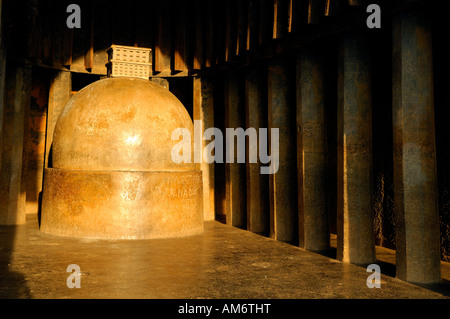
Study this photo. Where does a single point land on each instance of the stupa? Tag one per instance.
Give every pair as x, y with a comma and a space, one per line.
112, 175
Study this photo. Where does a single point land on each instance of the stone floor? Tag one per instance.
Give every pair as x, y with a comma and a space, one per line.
224, 262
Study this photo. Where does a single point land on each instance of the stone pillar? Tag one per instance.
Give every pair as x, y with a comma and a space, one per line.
415, 182
283, 184
13, 164
354, 159
204, 112
59, 95
314, 233
234, 172
258, 216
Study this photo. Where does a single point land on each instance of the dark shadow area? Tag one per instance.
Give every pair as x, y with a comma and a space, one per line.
330, 253
50, 157
242, 180
35, 135
219, 168
442, 288
386, 268
380, 46
13, 284
441, 70
221, 218
39, 209
330, 70
265, 178
182, 88
80, 80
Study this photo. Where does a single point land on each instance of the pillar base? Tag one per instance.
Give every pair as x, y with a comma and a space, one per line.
122, 204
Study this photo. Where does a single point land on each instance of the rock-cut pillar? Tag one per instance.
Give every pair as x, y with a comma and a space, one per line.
283, 184
14, 108
314, 233
415, 181
355, 231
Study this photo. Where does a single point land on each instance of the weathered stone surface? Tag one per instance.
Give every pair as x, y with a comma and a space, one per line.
122, 205
35, 139
13, 162
204, 112
283, 184
415, 182
59, 95
314, 233
223, 262
354, 212
258, 215
235, 172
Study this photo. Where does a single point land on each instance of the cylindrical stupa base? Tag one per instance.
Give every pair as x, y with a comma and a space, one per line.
104, 204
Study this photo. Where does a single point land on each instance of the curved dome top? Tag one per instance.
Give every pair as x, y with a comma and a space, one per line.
120, 124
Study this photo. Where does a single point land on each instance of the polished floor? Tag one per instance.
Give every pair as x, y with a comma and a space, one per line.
224, 262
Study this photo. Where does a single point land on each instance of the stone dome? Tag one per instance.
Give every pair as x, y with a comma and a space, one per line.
121, 124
